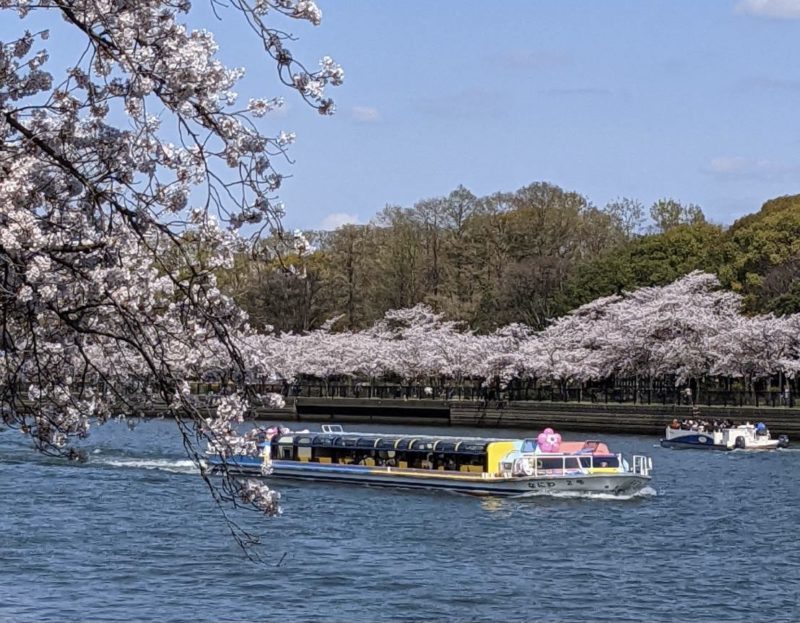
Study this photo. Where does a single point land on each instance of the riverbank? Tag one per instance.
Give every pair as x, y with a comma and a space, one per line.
533, 415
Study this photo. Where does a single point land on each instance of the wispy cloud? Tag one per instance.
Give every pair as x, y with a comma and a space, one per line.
773, 9
578, 91
741, 168
529, 59
365, 114
337, 219
469, 104
766, 83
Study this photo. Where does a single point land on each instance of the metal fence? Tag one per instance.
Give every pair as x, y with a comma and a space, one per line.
623, 394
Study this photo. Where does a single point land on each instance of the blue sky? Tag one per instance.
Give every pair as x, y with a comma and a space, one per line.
697, 101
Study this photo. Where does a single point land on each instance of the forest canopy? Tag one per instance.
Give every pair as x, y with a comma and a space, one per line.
527, 256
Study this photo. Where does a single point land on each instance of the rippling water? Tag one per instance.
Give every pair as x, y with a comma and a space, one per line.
134, 535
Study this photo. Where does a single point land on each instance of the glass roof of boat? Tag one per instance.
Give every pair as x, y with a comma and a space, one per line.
408, 443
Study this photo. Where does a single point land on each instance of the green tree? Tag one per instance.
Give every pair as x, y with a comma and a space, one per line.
349, 253
399, 259
668, 213
654, 259
627, 214
762, 251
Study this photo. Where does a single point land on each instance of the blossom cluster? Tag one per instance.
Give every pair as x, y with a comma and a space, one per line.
688, 329
123, 185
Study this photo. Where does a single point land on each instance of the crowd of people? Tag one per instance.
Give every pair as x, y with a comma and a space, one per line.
701, 426
705, 426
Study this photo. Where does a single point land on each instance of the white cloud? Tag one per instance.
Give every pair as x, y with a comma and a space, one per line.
365, 114
337, 219
767, 83
775, 9
726, 165
578, 91
475, 103
738, 167
530, 59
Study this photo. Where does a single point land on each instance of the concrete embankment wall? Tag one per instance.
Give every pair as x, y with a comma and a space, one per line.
608, 418
530, 415
589, 417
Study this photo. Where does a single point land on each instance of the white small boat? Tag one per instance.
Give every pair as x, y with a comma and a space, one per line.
741, 437
473, 465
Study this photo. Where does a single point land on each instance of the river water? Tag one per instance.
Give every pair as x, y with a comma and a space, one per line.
134, 535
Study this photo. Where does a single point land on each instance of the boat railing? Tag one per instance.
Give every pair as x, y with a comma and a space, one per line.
332, 428
571, 463
642, 465
576, 467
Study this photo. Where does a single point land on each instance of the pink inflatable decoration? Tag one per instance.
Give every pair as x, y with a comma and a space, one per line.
549, 440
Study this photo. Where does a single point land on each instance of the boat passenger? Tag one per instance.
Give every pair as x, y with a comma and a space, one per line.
675, 424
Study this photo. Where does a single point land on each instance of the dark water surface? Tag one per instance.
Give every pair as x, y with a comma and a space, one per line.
134, 535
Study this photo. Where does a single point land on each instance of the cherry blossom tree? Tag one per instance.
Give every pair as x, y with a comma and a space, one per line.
124, 183
689, 329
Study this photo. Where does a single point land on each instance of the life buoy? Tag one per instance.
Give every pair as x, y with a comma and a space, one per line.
523, 466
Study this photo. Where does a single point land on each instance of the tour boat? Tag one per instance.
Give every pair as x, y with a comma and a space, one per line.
741, 437
473, 465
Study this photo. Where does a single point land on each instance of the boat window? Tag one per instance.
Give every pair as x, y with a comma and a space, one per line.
323, 441
366, 442
403, 444
422, 445
385, 444
470, 447
600, 461
445, 446
529, 445
303, 441
551, 463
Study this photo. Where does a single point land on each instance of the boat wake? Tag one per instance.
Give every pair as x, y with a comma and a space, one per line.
174, 466
646, 492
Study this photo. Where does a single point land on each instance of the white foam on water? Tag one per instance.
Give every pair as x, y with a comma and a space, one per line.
165, 465
645, 492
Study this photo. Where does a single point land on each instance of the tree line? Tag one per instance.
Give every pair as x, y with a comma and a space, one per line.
526, 256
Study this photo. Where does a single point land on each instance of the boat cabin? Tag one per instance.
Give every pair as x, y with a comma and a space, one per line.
402, 451
449, 454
